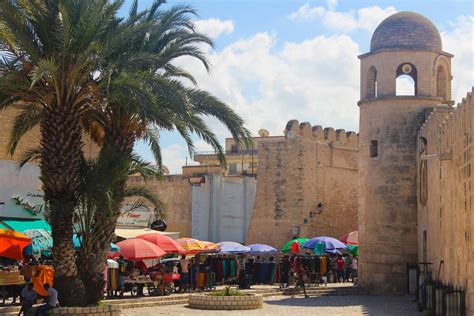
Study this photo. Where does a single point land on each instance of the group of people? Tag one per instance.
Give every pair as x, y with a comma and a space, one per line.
344, 268
29, 297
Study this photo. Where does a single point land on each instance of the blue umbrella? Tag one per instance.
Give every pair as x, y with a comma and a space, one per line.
329, 243
77, 244
261, 248
233, 247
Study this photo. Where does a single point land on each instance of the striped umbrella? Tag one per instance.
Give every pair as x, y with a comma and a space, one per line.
194, 246
351, 238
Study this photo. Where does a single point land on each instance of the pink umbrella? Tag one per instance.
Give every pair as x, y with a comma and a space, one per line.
164, 242
139, 249
352, 238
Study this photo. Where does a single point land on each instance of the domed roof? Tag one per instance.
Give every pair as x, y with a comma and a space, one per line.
406, 30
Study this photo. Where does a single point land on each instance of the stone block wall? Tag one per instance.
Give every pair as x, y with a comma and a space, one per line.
175, 192
311, 165
446, 195
387, 193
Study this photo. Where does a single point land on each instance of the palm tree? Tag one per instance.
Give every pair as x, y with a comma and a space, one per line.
96, 195
143, 94
135, 90
49, 50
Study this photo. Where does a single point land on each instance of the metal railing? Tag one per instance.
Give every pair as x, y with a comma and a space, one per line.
228, 152
437, 298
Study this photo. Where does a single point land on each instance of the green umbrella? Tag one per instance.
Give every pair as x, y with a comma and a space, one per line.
353, 249
301, 241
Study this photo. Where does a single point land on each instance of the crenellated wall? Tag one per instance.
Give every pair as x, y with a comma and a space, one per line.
311, 165
445, 167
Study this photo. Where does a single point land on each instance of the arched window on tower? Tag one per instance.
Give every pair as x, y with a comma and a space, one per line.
441, 82
372, 83
406, 80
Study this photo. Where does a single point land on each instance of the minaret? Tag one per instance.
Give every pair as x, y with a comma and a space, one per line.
405, 46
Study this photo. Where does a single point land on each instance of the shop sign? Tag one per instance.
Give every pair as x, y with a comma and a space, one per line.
135, 218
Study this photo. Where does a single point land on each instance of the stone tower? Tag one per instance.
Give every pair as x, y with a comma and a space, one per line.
405, 44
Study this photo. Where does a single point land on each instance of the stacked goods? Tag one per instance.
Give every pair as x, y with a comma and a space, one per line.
11, 277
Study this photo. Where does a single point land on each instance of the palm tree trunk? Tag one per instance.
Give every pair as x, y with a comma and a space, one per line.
61, 149
104, 226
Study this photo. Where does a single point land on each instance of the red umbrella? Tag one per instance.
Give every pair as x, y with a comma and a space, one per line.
164, 242
139, 249
351, 238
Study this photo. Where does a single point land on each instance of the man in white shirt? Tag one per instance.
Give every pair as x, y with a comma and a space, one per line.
51, 301
354, 264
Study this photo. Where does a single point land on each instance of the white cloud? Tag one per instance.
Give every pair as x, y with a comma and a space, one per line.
315, 80
365, 18
214, 27
459, 41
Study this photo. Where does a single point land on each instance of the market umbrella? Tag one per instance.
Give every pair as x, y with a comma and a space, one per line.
12, 244
41, 242
261, 248
233, 247
353, 249
139, 249
329, 243
194, 246
351, 238
164, 242
76, 240
287, 246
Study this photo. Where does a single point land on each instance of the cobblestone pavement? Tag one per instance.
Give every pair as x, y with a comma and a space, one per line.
287, 306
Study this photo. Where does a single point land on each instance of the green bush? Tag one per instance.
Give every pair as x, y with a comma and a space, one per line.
226, 292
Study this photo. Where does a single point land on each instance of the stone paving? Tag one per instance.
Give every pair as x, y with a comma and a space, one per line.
298, 305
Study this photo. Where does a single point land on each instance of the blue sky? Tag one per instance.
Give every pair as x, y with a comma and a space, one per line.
276, 60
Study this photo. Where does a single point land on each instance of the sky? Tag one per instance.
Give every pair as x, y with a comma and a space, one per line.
277, 60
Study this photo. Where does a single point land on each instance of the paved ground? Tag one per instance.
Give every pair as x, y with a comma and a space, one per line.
287, 306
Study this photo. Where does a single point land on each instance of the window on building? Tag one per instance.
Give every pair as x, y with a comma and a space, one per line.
406, 80
441, 82
374, 148
233, 169
234, 149
372, 82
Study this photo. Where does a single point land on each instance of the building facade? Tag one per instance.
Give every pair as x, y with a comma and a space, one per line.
445, 157
306, 185
404, 44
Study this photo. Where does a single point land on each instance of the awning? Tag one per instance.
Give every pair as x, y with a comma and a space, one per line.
21, 225
134, 232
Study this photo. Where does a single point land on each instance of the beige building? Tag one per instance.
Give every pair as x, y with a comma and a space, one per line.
241, 160
446, 195
404, 44
306, 185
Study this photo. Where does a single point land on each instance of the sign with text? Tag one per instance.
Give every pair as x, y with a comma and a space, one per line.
20, 191
137, 218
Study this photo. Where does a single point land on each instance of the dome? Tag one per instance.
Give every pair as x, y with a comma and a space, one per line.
406, 30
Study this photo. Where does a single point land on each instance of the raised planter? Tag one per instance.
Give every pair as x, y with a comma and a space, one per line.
107, 310
206, 301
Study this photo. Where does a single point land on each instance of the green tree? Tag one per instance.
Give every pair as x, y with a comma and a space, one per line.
143, 94
49, 50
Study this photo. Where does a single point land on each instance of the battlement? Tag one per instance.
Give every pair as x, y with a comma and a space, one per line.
296, 130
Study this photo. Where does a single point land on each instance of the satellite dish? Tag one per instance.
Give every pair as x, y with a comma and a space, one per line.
263, 133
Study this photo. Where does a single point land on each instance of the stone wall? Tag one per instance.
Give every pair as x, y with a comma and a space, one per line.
31, 139
446, 196
175, 192
387, 194
311, 165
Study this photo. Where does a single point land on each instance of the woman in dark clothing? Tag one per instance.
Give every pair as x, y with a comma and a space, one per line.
285, 266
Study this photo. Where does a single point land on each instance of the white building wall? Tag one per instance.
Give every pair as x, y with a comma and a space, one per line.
221, 208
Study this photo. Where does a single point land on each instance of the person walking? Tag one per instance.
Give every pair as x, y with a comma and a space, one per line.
347, 267
354, 266
285, 267
340, 269
28, 298
51, 301
184, 263
299, 270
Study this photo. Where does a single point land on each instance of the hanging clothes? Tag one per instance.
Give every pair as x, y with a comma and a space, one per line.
324, 264
232, 268
220, 270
